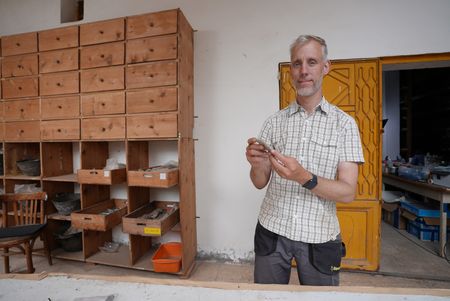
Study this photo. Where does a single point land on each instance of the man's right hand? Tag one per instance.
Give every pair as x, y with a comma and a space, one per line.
256, 153
258, 158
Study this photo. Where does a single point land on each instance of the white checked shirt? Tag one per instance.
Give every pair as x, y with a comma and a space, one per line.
319, 142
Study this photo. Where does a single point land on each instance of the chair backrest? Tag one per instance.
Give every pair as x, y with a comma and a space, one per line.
27, 208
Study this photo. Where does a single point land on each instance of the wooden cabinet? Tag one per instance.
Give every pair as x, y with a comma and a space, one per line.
76, 96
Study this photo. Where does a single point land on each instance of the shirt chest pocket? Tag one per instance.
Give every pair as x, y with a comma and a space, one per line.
324, 153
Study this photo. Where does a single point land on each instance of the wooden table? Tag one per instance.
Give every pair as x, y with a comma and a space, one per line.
439, 193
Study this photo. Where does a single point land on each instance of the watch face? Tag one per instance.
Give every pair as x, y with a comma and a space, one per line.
311, 183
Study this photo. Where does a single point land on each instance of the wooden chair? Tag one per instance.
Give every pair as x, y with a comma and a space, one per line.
29, 220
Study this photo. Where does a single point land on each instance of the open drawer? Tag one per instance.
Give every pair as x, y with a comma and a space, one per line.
153, 177
139, 222
100, 217
102, 177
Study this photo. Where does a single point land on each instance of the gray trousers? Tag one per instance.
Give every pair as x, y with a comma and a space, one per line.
275, 268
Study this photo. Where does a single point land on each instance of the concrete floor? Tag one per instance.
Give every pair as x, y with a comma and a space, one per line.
403, 265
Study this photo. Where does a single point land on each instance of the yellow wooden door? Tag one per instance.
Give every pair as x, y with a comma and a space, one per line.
354, 87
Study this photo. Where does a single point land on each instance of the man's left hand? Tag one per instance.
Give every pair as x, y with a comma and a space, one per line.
289, 168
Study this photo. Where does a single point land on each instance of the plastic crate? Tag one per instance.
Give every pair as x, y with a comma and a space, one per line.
420, 209
423, 231
167, 259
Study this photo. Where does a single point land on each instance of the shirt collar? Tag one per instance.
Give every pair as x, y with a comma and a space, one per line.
323, 105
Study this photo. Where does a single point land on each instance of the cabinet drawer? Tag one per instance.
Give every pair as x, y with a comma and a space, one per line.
21, 65
152, 75
20, 87
102, 55
2, 113
103, 128
152, 24
60, 107
91, 218
61, 60
24, 109
19, 44
102, 32
152, 126
152, 100
59, 83
58, 38
102, 79
153, 177
2, 131
152, 49
67, 129
102, 177
103, 104
138, 223
22, 131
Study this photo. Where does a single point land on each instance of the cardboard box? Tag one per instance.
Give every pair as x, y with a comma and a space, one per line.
391, 214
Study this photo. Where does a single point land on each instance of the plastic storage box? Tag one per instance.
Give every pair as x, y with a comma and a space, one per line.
167, 259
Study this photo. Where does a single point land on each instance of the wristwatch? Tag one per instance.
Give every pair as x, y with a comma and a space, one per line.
310, 184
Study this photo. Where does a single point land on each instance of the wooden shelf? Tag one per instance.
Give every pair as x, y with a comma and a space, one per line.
63, 178
61, 254
22, 177
121, 258
59, 217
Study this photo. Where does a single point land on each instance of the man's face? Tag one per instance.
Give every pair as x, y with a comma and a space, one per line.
308, 68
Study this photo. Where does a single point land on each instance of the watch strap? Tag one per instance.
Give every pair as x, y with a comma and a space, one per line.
310, 184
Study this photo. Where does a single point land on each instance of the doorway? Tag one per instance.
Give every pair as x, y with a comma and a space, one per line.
416, 105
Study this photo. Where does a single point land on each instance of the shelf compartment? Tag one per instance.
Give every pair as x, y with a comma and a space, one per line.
135, 223
102, 177
92, 218
158, 177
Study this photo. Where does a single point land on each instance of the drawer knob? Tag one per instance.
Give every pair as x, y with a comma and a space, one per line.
21, 110
58, 61
152, 100
19, 87
22, 131
20, 66
59, 107
58, 84
103, 104
103, 130
58, 38
150, 126
102, 55
18, 44
102, 80
59, 130
151, 50
101, 32
152, 24
151, 75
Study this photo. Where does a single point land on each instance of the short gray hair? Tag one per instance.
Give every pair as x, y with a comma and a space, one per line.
303, 39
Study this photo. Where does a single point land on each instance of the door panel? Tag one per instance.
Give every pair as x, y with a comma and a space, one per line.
353, 86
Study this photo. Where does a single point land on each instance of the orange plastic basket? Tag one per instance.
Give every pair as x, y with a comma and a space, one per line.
167, 259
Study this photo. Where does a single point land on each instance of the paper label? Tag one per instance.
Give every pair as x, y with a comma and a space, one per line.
162, 176
106, 173
152, 231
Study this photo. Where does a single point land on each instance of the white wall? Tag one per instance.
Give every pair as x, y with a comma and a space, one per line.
238, 45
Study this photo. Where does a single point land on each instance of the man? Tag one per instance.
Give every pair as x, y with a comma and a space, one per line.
313, 164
